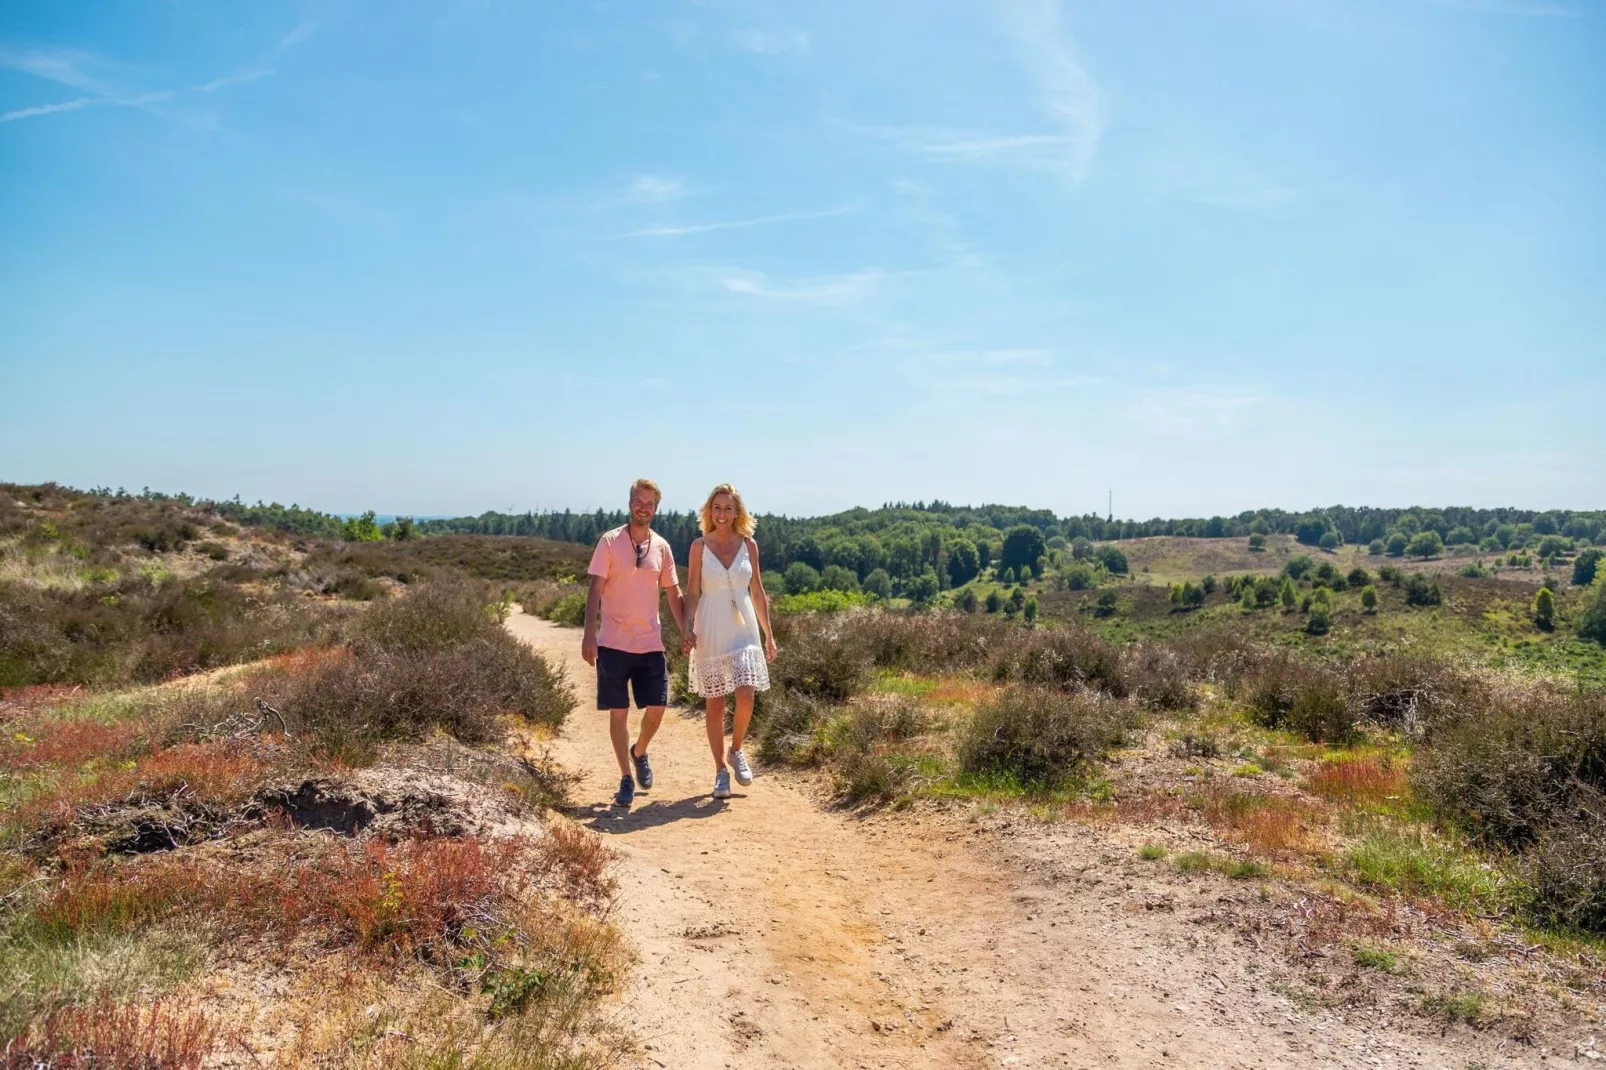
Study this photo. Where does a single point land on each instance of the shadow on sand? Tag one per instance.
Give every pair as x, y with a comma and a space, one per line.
607, 818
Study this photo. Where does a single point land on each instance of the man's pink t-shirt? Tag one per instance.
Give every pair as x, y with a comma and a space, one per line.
630, 591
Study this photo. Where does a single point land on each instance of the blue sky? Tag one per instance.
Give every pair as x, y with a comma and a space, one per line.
443, 257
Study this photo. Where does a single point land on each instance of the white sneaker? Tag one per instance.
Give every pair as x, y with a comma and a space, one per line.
722, 785
744, 772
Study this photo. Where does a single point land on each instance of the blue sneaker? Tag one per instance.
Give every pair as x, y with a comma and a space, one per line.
627, 793
643, 770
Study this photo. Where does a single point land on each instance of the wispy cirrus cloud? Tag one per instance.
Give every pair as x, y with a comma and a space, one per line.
677, 230
657, 189
1038, 151
141, 100
828, 289
85, 71
1064, 94
1066, 90
66, 67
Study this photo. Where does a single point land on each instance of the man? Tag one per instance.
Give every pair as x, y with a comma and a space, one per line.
629, 566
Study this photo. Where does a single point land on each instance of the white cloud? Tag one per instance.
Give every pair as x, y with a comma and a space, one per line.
771, 42
232, 79
1197, 413
1064, 93
62, 66
140, 101
1066, 90
731, 224
71, 67
657, 189
50, 109
1036, 151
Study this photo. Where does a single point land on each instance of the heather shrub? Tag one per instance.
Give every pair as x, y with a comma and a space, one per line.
821, 658
1158, 677
785, 723
437, 658
1567, 865
1506, 768
925, 642
1061, 657
865, 756
1408, 693
1042, 735
1285, 691
134, 631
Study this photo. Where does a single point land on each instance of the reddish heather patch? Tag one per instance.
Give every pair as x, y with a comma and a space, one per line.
66, 743
961, 690
1269, 824
15, 701
209, 774
1359, 780
306, 659
410, 895
110, 897
107, 1034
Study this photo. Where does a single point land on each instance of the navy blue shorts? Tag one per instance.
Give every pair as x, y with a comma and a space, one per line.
620, 672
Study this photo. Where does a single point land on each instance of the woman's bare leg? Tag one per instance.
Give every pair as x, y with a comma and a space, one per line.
744, 713
715, 710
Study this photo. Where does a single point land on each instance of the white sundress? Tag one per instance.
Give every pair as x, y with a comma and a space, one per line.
729, 652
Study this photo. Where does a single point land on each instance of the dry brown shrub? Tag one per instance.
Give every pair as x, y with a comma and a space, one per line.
1505, 769
1158, 677
1410, 693
577, 865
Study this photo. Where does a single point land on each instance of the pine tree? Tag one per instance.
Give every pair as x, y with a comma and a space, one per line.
1287, 595
1545, 609
1369, 598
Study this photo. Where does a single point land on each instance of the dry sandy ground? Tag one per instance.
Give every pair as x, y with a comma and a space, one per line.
774, 931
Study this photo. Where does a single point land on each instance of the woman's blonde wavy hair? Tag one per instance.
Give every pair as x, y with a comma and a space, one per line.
744, 524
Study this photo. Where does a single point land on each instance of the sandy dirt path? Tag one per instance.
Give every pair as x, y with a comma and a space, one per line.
776, 932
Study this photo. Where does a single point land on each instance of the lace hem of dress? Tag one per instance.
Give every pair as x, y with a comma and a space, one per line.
722, 674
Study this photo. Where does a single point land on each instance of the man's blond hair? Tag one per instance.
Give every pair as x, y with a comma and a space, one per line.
647, 484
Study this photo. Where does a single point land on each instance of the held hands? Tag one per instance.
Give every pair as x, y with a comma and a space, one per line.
688, 639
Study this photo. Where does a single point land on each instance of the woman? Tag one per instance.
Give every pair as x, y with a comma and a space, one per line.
725, 606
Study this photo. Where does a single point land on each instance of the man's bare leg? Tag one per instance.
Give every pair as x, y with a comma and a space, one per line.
619, 730
651, 718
